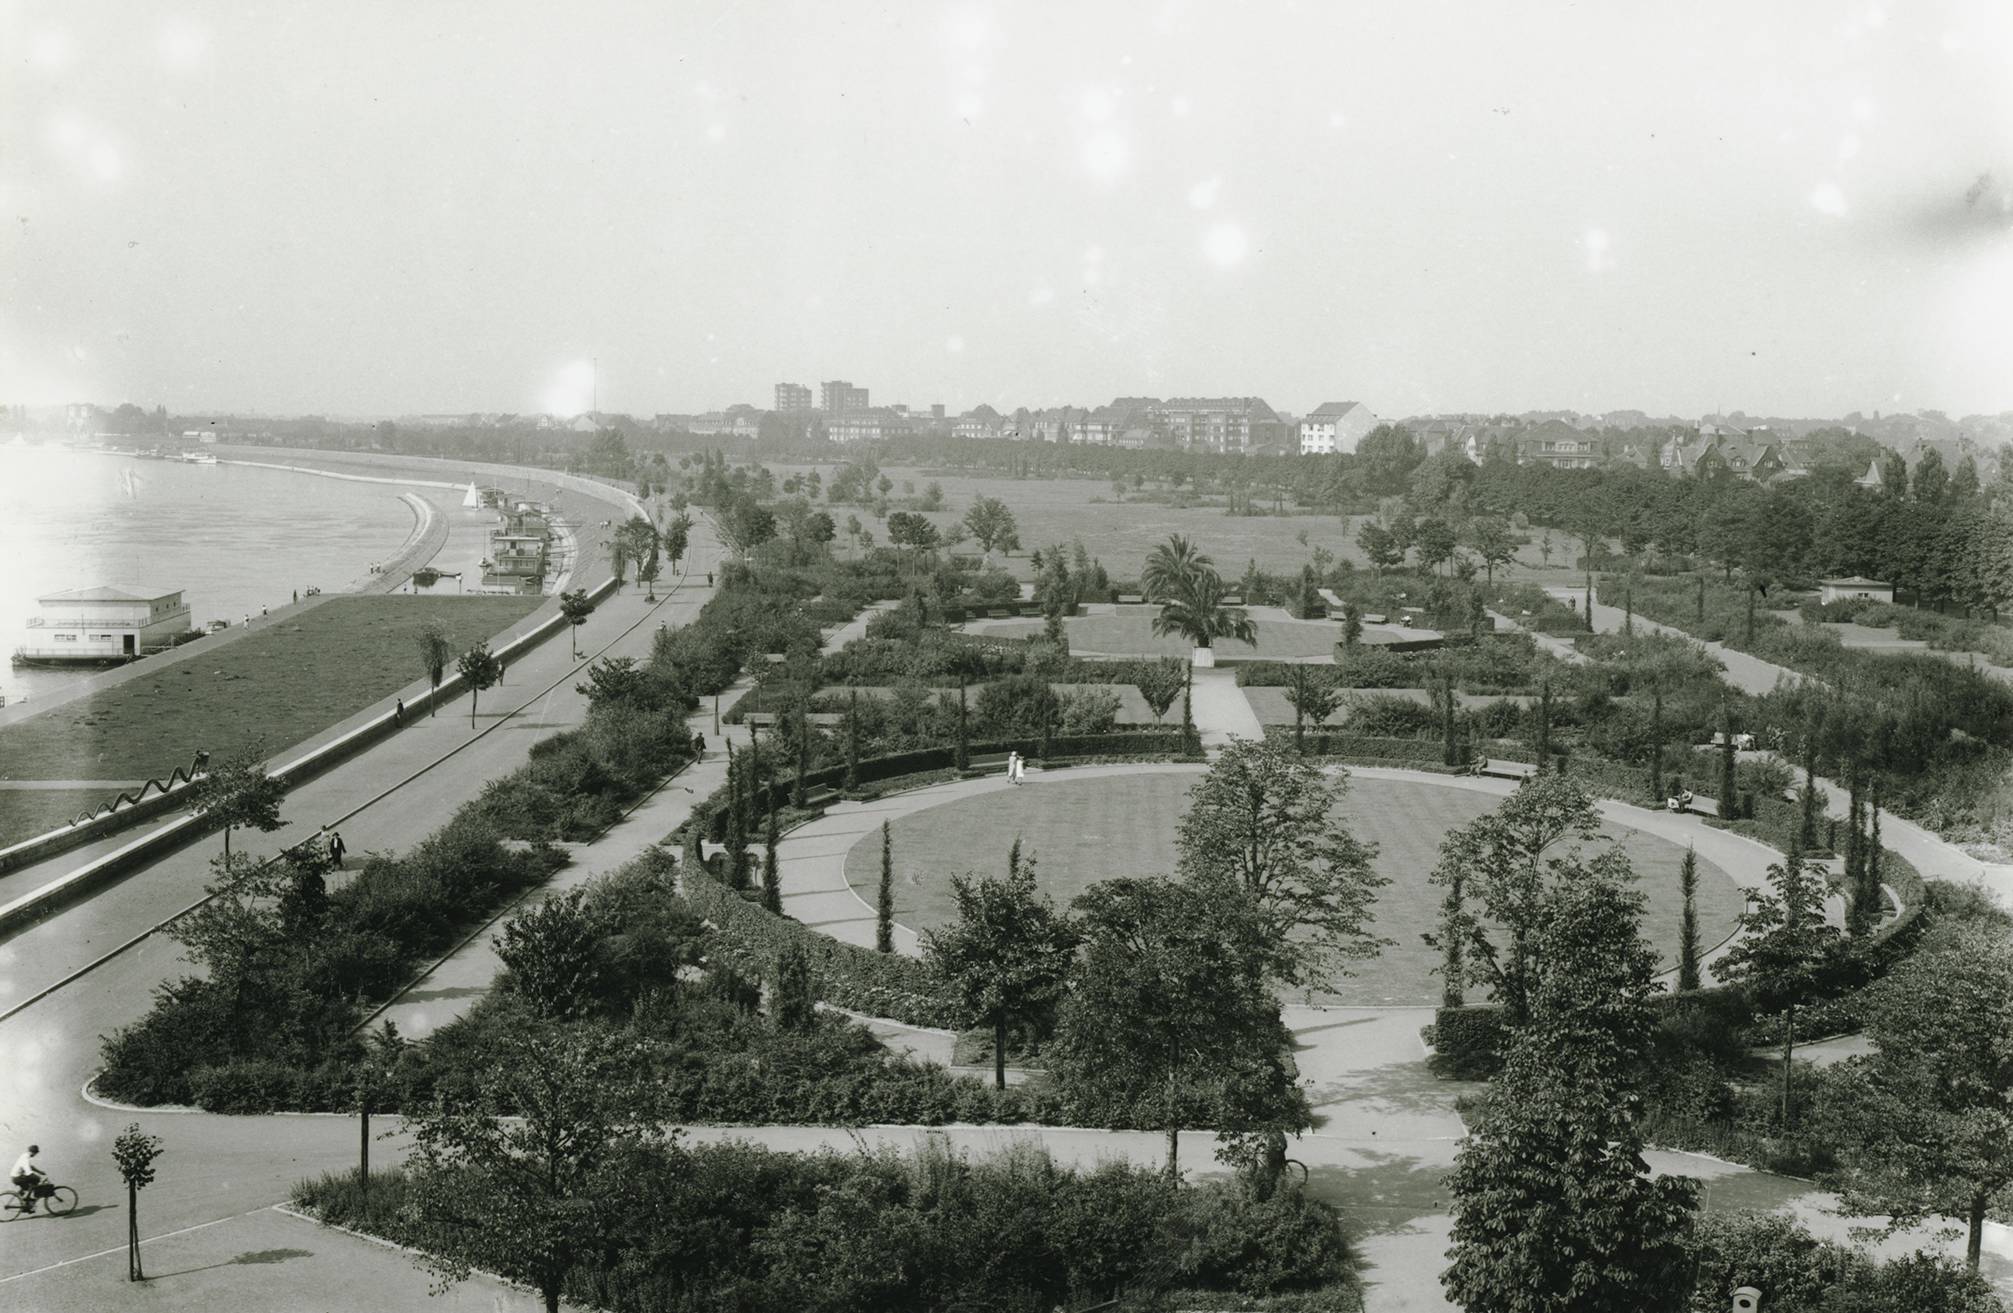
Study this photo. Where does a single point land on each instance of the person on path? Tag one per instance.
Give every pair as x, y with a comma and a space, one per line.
709, 578
336, 847
398, 712
1013, 768
29, 1177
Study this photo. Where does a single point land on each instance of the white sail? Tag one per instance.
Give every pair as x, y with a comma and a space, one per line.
472, 497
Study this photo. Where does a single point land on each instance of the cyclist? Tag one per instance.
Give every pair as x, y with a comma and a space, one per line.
31, 1179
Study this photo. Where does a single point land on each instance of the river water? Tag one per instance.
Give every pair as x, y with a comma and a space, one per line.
233, 538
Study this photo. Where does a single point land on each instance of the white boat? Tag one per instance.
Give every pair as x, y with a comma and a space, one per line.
198, 458
472, 498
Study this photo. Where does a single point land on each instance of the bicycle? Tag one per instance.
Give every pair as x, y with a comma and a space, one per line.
55, 1200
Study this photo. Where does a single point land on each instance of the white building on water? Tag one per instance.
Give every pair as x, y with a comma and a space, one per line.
102, 626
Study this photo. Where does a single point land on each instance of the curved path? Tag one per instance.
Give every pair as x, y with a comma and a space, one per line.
812, 857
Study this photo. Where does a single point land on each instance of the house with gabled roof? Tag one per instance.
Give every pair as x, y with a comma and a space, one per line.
1335, 426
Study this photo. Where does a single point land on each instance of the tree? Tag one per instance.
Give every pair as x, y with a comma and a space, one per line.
574, 607
1159, 683
1542, 714
1168, 1018
1493, 541
992, 525
1195, 610
913, 531
479, 669
134, 1152
1352, 625
884, 900
1925, 1118
1262, 827
237, 791
794, 1002
1380, 548
1436, 543
523, 1173
553, 954
676, 536
1005, 957
744, 525
1688, 953
1729, 779
434, 651
1169, 566
1783, 950
1314, 696
1657, 743
1554, 1209
1503, 862
639, 543
772, 874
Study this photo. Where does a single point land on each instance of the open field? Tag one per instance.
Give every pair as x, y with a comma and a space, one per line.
277, 684
1096, 829
1122, 533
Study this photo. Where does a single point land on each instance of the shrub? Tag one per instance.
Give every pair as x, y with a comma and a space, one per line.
1385, 716
1468, 1042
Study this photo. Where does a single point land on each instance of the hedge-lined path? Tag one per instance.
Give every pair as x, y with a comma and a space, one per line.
1931, 854
452, 985
1221, 710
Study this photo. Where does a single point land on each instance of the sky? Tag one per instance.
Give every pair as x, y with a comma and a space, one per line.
427, 206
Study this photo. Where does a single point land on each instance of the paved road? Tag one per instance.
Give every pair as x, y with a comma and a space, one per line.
389, 798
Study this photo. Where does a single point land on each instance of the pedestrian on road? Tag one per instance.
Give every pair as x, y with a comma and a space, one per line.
709, 578
398, 713
336, 848
698, 746
297, 597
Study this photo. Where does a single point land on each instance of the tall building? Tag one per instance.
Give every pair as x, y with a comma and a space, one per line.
792, 398
838, 396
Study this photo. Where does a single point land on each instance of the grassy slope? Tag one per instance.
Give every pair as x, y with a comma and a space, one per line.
1099, 828
277, 686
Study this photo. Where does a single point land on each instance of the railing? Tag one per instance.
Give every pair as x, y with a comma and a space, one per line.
179, 776
43, 622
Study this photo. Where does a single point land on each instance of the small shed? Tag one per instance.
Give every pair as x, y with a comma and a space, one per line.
1853, 588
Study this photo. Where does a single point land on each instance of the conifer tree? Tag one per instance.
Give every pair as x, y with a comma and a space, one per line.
884, 905
772, 875
1688, 975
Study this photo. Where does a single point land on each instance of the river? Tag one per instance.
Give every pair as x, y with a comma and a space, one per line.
233, 538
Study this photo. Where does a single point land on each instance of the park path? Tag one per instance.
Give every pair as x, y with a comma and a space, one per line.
1931, 854
1221, 710
452, 985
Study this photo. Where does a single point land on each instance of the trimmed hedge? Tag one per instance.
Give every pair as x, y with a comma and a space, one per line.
879, 984
1468, 1041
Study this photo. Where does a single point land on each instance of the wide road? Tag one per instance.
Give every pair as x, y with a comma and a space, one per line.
388, 798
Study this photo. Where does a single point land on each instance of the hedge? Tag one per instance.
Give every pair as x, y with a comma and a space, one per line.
879, 984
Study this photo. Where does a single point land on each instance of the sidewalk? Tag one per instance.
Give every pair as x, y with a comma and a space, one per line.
1221, 710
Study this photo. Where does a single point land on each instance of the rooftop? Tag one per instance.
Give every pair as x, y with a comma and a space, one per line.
110, 593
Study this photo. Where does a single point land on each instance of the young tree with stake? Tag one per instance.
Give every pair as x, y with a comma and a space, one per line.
479, 669
134, 1152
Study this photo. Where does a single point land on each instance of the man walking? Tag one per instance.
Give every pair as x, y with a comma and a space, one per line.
336, 848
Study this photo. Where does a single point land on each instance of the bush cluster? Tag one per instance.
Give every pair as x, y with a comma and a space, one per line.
736, 1226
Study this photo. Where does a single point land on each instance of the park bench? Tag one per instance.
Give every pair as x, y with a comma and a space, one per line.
820, 798
986, 763
1130, 599
1001, 613
1503, 770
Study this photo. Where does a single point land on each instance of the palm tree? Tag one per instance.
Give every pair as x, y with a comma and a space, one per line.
1169, 565
1195, 610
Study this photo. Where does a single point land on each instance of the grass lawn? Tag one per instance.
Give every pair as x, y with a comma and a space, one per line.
276, 686
1121, 534
1132, 635
25, 813
1094, 829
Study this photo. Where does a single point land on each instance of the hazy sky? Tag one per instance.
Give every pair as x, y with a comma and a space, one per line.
365, 207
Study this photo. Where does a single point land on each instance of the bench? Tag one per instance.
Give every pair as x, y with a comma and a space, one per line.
821, 797
1001, 613
1504, 770
760, 719
985, 763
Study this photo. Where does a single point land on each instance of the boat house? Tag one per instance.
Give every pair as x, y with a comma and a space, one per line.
1854, 588
103, 626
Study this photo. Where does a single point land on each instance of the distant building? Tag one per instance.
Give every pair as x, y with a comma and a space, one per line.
980, 423
1335, 426
791, 398
102, 626
871, 424
1559, 445
1854, 588
837, 396
1222, 423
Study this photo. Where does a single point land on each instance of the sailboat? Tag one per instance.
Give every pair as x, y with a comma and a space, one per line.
472, 498
129, 482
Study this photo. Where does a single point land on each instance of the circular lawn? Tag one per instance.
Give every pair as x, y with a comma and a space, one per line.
1079, 832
